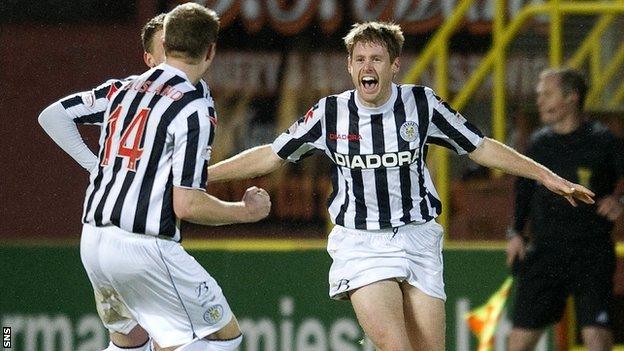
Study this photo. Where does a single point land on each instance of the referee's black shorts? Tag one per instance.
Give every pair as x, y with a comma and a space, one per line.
547, 276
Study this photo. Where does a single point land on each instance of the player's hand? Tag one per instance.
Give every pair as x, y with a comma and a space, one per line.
515, 248
569, 190
257, 202
610, 207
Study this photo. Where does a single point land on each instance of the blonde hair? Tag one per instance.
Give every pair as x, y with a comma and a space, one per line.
189, 30
386, 34
570, 81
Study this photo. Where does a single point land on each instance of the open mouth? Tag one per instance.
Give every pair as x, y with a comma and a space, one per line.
369, 83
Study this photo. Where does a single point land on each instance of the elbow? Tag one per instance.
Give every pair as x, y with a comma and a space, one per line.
480, 154
183, 213
183, 205
475, 156
43, 118
46, 117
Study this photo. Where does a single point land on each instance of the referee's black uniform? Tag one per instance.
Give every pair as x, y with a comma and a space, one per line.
571, 251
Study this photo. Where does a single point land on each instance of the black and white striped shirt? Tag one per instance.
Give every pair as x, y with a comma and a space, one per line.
157, 132
379, 175
88, 107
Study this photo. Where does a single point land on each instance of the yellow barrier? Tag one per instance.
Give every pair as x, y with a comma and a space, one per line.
494, 61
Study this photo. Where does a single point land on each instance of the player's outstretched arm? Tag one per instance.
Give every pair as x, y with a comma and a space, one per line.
196, 206
59, 125
494, 154
257, 161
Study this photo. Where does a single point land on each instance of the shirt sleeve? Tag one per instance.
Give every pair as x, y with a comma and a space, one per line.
88, 107
58, 124
192, 132
448, 128
303, 137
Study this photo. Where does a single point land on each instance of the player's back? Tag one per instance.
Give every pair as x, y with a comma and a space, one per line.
155, 135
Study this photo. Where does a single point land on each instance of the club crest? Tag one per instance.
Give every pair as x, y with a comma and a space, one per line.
214, 314
409, 131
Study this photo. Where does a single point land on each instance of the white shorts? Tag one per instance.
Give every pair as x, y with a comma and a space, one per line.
411, 253
140, 279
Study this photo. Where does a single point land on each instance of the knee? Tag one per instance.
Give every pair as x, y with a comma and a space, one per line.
213, 345
523, 339
145, 347
392, 343
597, 338
225, 345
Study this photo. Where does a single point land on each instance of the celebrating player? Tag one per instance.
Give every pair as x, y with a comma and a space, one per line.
60, 118
149, 174
386, 245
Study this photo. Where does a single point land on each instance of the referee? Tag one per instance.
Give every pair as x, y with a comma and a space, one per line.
386, 245
571, 251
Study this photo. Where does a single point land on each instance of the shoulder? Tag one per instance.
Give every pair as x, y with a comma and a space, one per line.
197, 102
192, 102
601, 136
597, 129
332, 103
420, 93
111, 85
344, 96
541, 134
415, 87
203, 87
195, 114
113, 81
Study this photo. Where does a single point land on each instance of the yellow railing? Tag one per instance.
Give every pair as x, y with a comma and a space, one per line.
494, 61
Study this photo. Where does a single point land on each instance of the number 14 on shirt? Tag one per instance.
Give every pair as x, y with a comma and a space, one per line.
135, 130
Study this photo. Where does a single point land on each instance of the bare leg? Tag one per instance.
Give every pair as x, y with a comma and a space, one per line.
424, 319
597, 338
230, 331
379, 309
523, 339
137, 337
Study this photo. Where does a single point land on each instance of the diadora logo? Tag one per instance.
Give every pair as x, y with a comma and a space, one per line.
350, 137
372, 161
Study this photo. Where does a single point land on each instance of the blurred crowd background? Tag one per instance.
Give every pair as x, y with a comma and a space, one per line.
275, 59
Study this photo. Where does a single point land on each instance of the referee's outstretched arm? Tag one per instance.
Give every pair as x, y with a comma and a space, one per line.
493, 154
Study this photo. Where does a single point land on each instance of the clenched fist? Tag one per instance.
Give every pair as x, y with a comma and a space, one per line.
257, 202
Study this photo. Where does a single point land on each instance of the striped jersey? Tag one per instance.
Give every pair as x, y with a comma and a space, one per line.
88, 107
157, 131
379, 175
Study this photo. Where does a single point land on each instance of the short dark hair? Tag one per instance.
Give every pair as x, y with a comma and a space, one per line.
570, 81
384, 33
190, 29
149, 29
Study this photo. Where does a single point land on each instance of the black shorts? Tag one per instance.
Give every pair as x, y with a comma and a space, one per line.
546, 278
